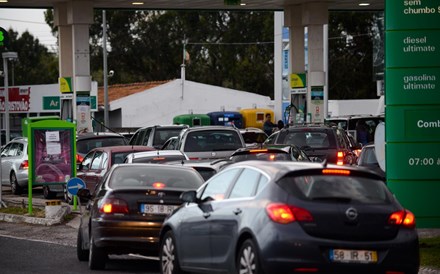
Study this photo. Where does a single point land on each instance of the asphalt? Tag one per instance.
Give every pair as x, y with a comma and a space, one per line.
56, 210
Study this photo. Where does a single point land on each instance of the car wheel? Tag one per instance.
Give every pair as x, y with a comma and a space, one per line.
48, 194
247, 259
81, 253
15, 187
97, 256
169, 262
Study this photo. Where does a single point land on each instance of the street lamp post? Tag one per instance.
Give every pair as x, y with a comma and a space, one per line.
9, 55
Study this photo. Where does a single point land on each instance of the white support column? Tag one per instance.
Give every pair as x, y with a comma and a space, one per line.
278, 75
315, 16
74, 19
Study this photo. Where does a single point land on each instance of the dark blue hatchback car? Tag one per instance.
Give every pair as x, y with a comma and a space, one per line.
290, 217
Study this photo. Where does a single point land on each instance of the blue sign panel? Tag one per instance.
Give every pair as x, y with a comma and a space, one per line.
75, 184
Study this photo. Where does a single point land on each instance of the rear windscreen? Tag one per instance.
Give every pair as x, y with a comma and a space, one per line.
313, 139
268, 156
212, 140
155, 177
336, 188
163, 134
85, 145
158, 159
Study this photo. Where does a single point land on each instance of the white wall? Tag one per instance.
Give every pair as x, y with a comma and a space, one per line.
353, 107
160, 104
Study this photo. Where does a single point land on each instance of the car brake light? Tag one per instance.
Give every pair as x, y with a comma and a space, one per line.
79, 158
284, 214
306, 270
257, 150
159, 185
112, 206
340, 158
24, 165
403, 217
336, 171
272, 157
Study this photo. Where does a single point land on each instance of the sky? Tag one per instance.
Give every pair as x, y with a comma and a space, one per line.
31, 20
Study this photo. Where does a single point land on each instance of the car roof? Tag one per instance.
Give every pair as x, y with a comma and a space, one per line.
278, 169
157, 153
93, 135
126, 148
164, 126
210, 128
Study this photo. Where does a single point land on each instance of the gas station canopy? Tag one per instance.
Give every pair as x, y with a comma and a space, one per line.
204, 4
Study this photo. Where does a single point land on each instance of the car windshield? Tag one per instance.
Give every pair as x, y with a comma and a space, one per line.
153, 176
85, 145
350, 189
212, 140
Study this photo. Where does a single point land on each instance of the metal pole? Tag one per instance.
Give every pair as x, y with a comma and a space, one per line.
104, 54
5, 68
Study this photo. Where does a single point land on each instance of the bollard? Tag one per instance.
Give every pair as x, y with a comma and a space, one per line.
52, 208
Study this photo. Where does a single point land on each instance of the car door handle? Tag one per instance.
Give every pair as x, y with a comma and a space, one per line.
206, 215
237, 211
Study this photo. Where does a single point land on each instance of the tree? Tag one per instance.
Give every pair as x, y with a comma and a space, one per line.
35, 64
351, 55
233, 49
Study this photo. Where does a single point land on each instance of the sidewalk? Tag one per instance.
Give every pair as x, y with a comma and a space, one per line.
55, 210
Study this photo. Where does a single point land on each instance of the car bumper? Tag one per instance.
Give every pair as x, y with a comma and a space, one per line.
287, 252
123, 237
22, 178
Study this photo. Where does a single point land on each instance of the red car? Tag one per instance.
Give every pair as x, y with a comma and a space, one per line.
98, 161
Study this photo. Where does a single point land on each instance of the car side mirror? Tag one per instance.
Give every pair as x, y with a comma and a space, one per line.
189, 196
84, 194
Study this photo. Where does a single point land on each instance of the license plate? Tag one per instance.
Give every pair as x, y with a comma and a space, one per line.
353, 256
157, 209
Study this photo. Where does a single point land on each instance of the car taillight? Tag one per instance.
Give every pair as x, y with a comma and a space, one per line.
113, 205
336, 171
284, 214
24, 165
403, 217
79, 158
159, 185
340, 158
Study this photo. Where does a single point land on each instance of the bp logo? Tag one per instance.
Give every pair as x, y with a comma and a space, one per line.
4, 38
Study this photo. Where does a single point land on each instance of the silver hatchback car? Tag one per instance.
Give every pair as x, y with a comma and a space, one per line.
14, 160
209, 142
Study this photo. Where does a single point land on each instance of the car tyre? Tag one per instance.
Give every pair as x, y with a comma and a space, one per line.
15, 187
81, 253
248, 261
169, 262
48, 194
97, 256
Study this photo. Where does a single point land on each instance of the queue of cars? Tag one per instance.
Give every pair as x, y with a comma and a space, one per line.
215, 202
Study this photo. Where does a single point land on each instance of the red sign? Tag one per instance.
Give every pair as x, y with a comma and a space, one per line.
18, 99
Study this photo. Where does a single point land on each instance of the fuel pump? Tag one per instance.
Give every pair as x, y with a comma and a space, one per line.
298, 107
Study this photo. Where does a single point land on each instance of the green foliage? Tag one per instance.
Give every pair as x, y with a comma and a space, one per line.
351, 55
35, 64
430, 252
233, 49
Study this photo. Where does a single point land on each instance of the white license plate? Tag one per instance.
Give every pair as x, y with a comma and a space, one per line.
157, 209
353, 256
